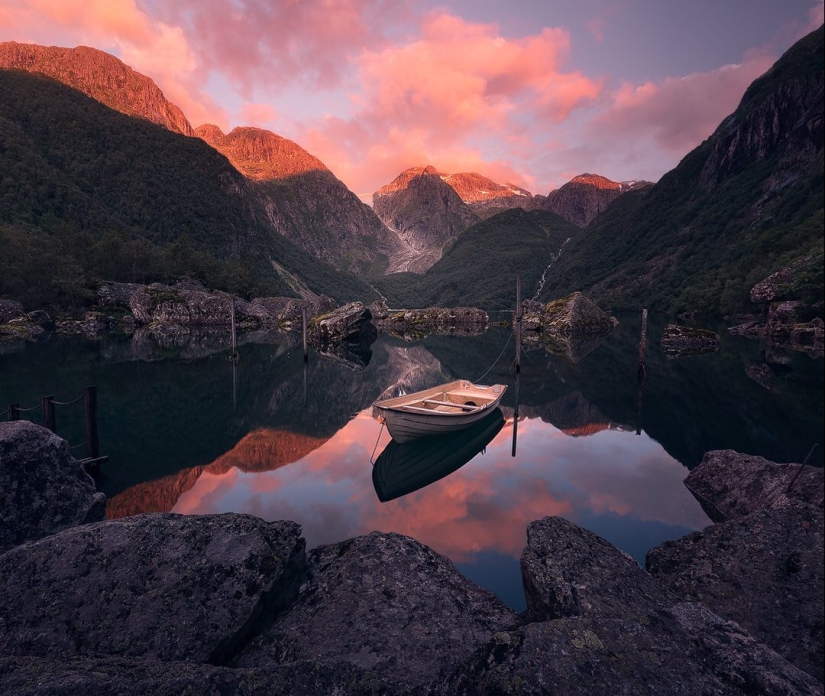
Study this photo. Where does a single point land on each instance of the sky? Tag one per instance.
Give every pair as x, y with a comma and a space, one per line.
528, 92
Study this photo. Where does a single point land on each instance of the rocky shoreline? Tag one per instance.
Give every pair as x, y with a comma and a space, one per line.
171, 604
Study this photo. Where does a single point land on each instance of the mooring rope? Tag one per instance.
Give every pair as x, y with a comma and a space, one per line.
509, 336
67, 403
376, 444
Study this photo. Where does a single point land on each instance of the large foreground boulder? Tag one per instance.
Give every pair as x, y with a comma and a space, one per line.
161, 587
602, 625
352, 322
729, 484
43, 489
764, 571
678, 341
120, 676
387, 604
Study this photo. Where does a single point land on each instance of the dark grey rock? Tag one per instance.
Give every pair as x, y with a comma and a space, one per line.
43, 489
729, 484
162, 587
119, 676
778, 285
678, 341
571, 315
418, 323
682, 650
387, 604
10, 309
764, 571
347, 323
569, 571
115, 294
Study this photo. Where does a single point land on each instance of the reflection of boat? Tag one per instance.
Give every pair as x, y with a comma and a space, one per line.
444, 409
404, 468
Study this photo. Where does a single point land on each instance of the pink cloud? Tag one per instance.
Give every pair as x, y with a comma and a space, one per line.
435, 99
677, 113
258, 115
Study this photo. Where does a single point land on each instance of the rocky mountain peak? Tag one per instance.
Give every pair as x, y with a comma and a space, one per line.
426, 213
474, 187
100, 76
260, 154
582, 198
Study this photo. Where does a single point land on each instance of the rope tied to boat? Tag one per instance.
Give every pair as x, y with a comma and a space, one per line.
509, 336
372, 456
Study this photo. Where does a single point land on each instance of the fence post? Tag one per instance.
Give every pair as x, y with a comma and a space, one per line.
13, 412
92, 442
49, 420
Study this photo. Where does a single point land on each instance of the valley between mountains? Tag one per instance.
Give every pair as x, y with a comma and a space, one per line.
103, 179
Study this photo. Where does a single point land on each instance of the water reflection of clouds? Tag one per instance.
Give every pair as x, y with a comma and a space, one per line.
484, 506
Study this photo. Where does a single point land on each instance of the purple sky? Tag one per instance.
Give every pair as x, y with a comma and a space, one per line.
530, 92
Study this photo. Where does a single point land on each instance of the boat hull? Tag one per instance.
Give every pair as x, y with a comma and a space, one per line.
403, 468
407, 421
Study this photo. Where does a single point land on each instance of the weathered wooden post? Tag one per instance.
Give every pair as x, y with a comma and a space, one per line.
49, 420
234, 354
92, 440
304, 331
13, 412
642, 348
518, 324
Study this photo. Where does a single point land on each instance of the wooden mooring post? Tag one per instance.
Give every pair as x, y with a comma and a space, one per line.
13, 412
90, 406
304, 331
518, 324
234, 354
49, 419
642, 348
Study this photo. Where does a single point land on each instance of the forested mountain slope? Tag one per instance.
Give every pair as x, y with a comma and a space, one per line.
744, 203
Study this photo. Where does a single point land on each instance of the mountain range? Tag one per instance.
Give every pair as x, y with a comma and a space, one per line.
106, 179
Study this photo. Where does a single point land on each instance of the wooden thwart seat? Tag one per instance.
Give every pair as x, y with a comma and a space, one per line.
463, 407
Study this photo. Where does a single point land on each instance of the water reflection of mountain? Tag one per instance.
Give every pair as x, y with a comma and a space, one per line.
260, 450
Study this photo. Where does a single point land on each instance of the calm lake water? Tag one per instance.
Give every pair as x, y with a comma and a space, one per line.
189, 432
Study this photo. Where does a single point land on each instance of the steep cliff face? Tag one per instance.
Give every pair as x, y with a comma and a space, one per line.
739, 207
426, 213
780, 114
100, 76
304, 201
582, 198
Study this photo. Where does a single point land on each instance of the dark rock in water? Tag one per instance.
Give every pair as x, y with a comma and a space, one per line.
765, 571
163, 304
379, 310
21, 329
571, 315
93, 325
161, 587
279, 311
679, 341
10, 309
568, 571
435, 320
347, 323
729, 484
751, 329
41, 318
120, 676
43, 489
387, 604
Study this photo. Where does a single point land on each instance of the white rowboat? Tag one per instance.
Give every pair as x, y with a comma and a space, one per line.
443, 409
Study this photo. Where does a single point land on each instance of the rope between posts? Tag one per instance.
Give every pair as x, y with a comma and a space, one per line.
67, 403
510, 335
22, 410
78, 446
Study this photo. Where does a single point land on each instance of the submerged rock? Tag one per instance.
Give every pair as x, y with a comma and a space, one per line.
387, 604
436, 320
161, 587
43, 488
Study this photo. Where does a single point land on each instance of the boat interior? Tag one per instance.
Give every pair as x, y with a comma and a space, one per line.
460, 396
